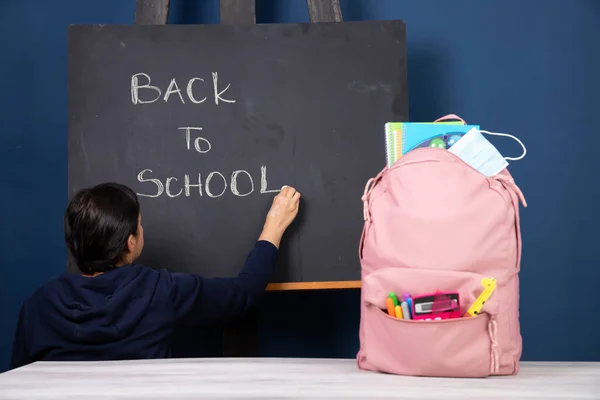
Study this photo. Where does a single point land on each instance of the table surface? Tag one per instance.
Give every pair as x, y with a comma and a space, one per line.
283, 378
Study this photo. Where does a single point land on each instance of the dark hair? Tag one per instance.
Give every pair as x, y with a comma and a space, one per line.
97, 223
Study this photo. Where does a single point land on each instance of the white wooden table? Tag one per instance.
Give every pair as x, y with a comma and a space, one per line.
284, 378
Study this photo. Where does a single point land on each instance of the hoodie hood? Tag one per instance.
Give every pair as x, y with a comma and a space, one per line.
102, 309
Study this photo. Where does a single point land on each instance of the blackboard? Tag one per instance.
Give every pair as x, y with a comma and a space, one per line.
245, 110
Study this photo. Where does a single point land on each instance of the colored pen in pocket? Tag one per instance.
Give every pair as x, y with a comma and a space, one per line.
399, 313
406, 310
392, 296
409, 302
389, 303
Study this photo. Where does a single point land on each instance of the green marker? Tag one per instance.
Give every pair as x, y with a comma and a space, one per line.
394, 299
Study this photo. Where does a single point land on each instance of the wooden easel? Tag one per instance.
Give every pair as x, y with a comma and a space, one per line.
156, 12
241, 338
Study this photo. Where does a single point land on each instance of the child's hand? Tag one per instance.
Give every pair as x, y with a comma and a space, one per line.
281, 215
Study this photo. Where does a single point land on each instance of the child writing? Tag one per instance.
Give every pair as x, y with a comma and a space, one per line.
120, 310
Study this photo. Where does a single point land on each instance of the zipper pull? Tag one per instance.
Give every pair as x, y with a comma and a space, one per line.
510, 183
368, 188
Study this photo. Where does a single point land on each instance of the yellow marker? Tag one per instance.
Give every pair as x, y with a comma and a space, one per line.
399, 314
489, 285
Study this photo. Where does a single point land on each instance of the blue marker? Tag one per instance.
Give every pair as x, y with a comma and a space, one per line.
410, 304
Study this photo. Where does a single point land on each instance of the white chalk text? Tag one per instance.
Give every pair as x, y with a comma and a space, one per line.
213, 185
143, 92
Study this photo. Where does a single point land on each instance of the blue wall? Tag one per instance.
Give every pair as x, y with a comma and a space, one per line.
523, 66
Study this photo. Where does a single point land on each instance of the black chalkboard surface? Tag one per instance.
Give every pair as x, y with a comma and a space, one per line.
207, 122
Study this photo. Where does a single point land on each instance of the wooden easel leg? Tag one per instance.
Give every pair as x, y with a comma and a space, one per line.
324, 10
240, 339
151, 12
238, 12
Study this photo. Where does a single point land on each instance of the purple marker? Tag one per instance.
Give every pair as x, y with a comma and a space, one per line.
410, 304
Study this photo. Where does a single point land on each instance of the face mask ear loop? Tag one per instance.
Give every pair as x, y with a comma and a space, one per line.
512, 137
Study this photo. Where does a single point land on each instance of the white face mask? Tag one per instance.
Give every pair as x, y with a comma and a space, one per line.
474, 149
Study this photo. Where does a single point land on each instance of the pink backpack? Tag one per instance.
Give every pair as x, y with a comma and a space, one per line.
432, 223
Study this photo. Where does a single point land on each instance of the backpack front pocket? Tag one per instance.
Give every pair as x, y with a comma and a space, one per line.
459, 347
450, 348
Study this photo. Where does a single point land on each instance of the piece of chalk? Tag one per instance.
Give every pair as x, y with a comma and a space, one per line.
284, 186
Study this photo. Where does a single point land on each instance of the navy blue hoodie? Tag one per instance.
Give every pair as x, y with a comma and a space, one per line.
131, 312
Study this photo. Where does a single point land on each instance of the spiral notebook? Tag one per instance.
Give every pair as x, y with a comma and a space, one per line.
402, 137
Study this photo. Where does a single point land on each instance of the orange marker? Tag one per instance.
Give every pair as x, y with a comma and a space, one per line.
390, 306
399, 313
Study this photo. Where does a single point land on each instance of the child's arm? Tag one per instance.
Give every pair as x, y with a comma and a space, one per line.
198, 300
